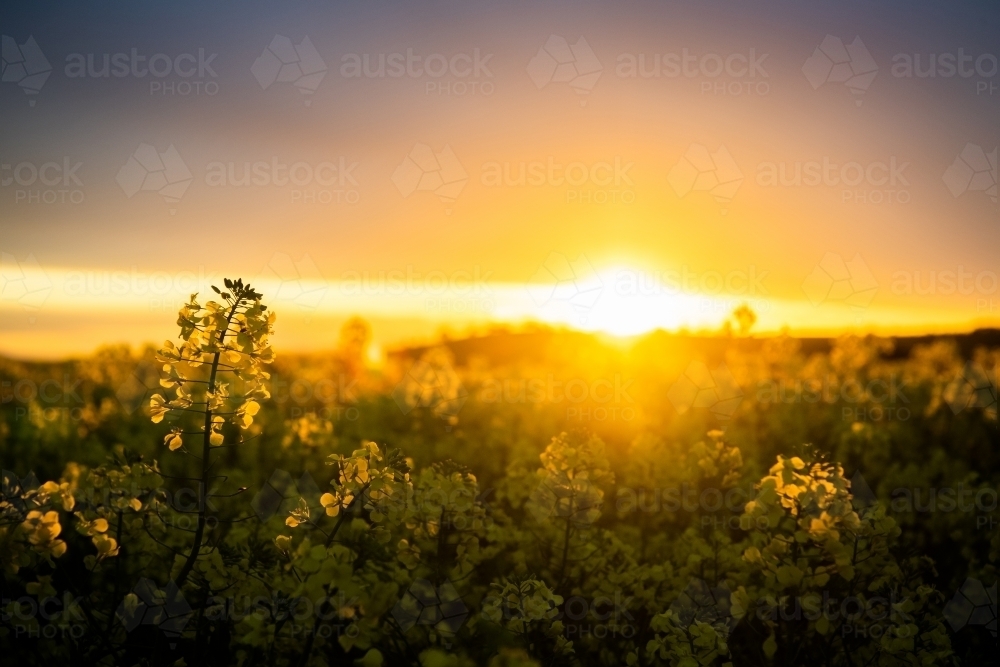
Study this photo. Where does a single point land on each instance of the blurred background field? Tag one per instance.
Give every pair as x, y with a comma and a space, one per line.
913, 421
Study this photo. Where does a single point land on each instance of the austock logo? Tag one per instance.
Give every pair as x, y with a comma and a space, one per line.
603, 616
139, 386
979, 501
585, 182
14, 491
974, 387
44, 616
148, 604
974, 170
459, 74
424, 170
862, 496
432, 383
456, 291
973, 605
326, 182
587, 399
701, 387
298, 616
572, 498
572, 283
695, 283
438, 607
948, 65
875, 182
700, 170
835, 280
853, 615
730, 75
284, 62
835, 62
183, 74
52, 182
557, 61
24, 283
701, 603
165, 291
875, 399
148, 170
281, 492
297, 283
25, 65
50, 400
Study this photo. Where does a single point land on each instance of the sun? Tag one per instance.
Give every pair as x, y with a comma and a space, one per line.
628, 301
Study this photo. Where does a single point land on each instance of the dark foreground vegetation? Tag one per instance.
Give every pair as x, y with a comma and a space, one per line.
520, 499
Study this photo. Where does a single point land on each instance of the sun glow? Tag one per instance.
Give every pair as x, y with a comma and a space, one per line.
627, 303
60, 312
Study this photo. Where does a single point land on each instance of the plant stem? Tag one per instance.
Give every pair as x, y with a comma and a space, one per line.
206, 455
307, 651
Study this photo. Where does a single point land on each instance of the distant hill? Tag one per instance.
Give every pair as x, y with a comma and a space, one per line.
537, 346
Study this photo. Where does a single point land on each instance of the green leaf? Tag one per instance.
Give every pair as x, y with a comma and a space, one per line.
770, 646
372, 659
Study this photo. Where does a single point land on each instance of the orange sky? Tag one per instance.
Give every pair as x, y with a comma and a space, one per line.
653, 200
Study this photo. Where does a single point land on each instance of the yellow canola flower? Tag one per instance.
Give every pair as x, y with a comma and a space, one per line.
157, 408
332, 503
173, 441
106, 545
43, 529
249, 410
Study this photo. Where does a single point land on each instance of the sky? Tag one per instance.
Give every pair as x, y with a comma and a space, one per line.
451, 166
